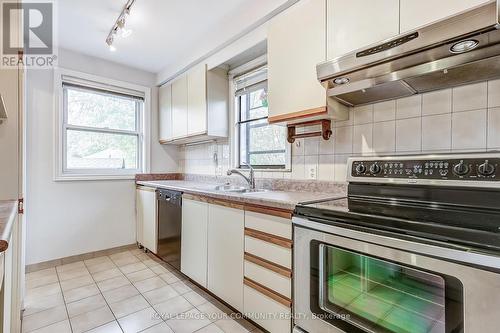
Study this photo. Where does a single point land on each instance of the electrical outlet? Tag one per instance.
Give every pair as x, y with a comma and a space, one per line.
312, 173
218, 170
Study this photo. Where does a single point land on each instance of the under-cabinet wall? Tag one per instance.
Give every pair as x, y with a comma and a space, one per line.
464, 118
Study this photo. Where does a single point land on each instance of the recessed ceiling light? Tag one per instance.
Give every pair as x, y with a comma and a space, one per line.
464, 46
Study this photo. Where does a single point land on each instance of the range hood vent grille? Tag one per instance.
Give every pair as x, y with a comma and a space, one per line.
483, 70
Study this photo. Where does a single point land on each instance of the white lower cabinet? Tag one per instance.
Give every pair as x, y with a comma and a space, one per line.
250, 274
267, 295
266, 277
194, 246
225, 254
146, 222
268, 313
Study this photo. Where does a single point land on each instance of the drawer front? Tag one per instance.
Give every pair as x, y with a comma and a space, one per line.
269, 279
269, 224
257, 305
272, 252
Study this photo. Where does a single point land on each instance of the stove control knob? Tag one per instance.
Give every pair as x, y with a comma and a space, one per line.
360, 168
486, 169
461, 169
375, 169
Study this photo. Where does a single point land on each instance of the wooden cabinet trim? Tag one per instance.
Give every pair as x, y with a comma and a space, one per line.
194, 197
273, 239
287, 214
299, 114
283, 213
268, 292
268, 265
218, 202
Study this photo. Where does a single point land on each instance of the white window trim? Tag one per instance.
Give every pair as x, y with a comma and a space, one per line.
144, 123
233, 112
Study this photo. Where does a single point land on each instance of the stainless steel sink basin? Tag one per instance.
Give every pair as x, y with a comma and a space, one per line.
237, 189
230, 188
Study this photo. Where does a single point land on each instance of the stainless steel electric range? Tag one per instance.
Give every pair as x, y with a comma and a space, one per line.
413, 248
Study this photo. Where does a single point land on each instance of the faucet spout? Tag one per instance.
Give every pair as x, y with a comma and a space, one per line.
251, 177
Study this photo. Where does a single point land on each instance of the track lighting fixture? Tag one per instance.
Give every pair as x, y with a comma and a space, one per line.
118, 28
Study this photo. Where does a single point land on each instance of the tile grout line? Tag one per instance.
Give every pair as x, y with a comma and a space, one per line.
49, 308
140, 293
64, 300
165, 321
102, 295
207, 299
152, 306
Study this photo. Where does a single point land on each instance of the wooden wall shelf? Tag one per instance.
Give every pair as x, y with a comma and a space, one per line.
325, 133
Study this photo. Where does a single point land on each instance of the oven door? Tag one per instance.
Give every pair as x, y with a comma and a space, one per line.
343, 282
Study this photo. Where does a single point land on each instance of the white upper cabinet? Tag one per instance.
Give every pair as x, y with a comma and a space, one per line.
179, 107
165, 107
296, 44
197, 100
417, 13
354, 24
199, 106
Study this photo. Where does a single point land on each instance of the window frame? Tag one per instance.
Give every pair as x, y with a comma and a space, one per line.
238, 125
88, 83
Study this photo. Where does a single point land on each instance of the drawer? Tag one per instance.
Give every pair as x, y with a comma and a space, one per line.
274, 225
265, 311
269, 278
275, 253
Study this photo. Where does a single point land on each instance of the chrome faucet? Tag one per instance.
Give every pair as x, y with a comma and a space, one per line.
251, 177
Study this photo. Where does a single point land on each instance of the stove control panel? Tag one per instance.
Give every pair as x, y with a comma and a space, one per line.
463, 169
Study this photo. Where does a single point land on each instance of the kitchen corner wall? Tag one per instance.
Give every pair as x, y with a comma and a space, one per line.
73, 217
462, 119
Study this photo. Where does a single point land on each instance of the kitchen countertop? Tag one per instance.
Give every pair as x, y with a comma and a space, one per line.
286, 200
8, 211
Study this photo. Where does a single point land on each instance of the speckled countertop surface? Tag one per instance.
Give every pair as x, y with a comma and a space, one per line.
270, 198
8, 211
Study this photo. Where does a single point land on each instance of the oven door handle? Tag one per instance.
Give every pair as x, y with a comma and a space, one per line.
490, 262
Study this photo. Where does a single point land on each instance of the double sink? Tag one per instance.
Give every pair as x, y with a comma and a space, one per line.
237, 189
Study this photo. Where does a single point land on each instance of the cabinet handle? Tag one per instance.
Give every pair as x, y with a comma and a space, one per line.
269, 238
283, 271
268, 292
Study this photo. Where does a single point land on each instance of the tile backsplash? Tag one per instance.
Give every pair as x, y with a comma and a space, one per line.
465, 118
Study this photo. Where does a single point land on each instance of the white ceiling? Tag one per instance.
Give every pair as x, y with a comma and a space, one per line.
165, 31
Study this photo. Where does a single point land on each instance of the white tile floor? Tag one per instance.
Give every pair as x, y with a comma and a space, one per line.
124, 292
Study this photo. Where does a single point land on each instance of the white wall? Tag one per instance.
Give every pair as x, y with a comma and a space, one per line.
70, 218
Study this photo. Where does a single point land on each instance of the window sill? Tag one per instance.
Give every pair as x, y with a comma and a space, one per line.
76, 177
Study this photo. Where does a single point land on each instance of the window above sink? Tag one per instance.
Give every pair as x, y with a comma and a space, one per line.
260, 144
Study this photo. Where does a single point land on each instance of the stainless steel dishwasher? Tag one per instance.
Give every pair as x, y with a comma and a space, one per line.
169, 226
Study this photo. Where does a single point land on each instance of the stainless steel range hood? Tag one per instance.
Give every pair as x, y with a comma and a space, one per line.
461, 49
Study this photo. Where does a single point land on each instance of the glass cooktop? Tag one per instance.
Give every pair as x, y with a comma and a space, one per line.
433, 220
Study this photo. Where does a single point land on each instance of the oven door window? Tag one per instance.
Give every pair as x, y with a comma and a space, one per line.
380, 296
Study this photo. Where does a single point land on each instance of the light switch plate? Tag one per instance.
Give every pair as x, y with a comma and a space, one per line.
218, 170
